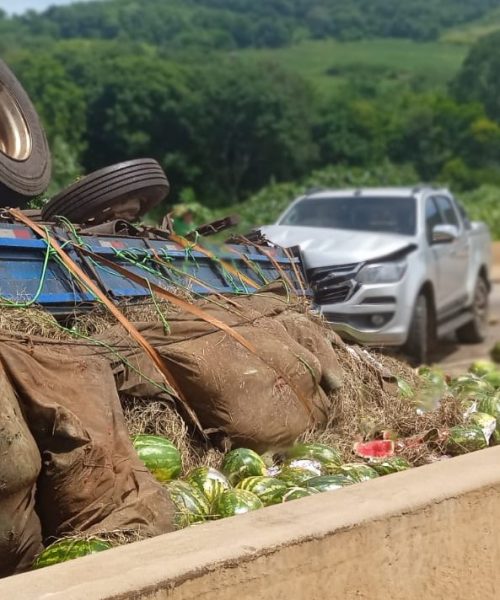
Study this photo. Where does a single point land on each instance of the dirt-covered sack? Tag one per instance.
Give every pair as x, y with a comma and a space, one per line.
92, 480
263, 400
20, 531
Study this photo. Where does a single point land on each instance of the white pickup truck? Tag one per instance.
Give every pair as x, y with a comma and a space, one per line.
392, 266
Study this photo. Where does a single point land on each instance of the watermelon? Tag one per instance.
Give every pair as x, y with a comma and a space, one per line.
241, 463
295, 477
493, 378
491, 406
298, 492
236, 502
482, 367
463, 439
68, 549
495, 353
210, 482
191, 505
405, 389
386, 466
326, 455
469, 386
486, 422
314, 466
268, 489
328, 483
159, 455
358, 472
375, 449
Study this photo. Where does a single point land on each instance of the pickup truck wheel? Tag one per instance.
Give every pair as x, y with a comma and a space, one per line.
475, 331
123, 191
417, 345
25, 165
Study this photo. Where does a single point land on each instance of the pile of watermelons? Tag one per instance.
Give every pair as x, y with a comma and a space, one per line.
247, 481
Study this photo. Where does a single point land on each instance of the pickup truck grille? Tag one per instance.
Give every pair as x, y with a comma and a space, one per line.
332, 285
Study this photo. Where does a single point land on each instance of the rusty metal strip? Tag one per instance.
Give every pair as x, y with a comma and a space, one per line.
191, 308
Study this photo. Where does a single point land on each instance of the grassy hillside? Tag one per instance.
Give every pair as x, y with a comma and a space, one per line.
328, 62
470, 32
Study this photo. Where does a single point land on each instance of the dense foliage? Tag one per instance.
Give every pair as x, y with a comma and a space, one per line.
119, 79
243, 23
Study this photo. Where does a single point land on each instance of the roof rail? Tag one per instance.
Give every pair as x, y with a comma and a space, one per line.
311, 191
425, 186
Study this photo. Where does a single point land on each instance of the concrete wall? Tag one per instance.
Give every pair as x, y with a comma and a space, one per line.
432, 532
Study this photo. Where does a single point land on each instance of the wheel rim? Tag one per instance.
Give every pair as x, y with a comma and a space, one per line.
481, 306
15, 138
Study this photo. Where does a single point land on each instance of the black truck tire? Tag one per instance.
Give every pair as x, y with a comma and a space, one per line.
475, 331
25, 164
417, 345
126, 191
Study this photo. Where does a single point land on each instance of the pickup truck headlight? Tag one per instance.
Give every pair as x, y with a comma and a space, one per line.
390, 272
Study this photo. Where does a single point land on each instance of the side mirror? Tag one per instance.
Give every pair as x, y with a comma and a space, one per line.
444, 234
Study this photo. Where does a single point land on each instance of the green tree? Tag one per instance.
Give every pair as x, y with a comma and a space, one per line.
479, 77
250, 123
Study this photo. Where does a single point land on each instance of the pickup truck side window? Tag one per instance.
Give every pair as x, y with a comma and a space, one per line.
464, 215
448, 211
433, 217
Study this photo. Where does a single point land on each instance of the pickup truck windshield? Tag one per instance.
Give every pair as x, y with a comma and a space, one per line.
378, 214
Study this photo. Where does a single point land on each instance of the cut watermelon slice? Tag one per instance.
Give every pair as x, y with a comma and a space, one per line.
375, 449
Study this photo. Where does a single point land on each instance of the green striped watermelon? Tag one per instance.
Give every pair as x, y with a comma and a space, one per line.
328, 483
485, 422
68, 549
295, 477
470, 386
314, 466
298, 492
210, 482
493, 378
268, 489
386, 466
358, 472
241, 463
326, 455
190, 504
236, 502
491, 406
463, 439
159, 455
482, 367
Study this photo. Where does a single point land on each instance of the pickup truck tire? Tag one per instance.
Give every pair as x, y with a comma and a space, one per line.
105, 194
417, 344
25, 164
475, 331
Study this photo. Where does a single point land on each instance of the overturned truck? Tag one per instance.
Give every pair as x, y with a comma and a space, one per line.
131, 357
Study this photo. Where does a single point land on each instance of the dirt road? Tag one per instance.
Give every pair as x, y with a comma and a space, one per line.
456, 358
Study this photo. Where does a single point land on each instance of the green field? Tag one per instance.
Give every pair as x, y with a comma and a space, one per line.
471, 32
327, 62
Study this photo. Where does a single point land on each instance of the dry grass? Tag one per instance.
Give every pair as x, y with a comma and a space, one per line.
32, 322
366, 406
157, 417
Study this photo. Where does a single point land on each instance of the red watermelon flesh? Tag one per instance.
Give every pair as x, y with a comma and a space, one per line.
375, 449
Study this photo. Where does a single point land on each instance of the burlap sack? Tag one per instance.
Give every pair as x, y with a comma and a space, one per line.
20, 532
92, 479
262, 400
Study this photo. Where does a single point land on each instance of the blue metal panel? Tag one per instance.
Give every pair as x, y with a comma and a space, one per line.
22, 258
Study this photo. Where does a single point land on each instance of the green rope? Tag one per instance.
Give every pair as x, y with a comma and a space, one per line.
6, 303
